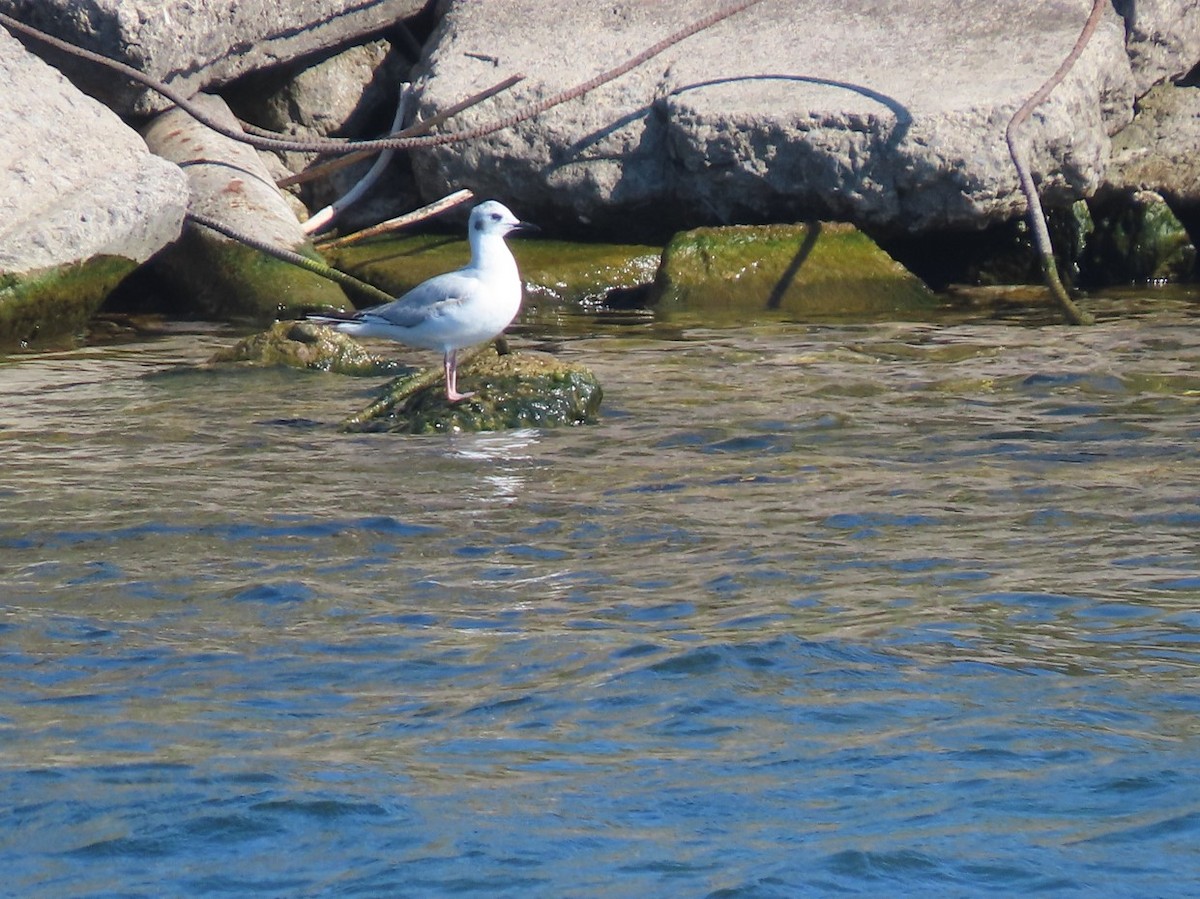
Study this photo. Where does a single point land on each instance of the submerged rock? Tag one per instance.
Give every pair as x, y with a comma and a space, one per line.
515, 390
301, 344
814, 271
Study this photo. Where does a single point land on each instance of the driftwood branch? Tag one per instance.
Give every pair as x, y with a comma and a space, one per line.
403, 221
324, 218
1037, 219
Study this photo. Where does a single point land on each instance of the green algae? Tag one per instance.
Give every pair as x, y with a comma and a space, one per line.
515, 390
226, 280
53, 305
306, 345
1139, 240
812, 271
553, 271
512, 390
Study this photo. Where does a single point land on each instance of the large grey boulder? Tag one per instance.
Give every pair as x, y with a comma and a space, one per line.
81, 200
887, 114
200, 43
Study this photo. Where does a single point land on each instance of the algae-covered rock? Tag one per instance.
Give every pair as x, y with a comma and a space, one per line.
553, 271
51, 304
1137, 240
1001, 255
301, 344
815, 270
212, 274
515, 390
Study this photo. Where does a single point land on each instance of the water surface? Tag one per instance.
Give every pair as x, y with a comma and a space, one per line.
878, 609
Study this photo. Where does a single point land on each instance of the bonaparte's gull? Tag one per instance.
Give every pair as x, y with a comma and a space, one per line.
457, 309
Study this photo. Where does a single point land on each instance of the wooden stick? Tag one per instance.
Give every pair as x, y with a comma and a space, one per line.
323, 218
403, 221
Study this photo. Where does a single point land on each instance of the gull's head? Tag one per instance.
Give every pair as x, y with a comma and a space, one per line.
490, 218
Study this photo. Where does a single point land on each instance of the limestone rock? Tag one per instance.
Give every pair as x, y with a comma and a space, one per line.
351, 94
1157, 151
200, 43
80, 197
890, 115
1162, 38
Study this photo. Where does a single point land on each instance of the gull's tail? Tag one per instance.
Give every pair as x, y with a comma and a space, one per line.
346, 322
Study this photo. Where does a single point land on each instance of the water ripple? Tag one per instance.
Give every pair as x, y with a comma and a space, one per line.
886, 609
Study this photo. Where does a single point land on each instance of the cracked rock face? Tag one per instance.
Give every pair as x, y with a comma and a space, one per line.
200, 43
886, 114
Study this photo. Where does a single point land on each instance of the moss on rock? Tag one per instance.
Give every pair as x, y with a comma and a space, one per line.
516, 390
816, 270
1138, 239
225, 280
301, 344
53, 305
553, 271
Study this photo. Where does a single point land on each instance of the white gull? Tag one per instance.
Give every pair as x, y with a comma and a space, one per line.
455, 310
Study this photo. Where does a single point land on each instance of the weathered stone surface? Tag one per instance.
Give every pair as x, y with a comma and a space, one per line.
216, 275
516, 390
890, 115
75, 184
301, 344
1157, 151
813, 271
340, 95
200, 43
1163, 38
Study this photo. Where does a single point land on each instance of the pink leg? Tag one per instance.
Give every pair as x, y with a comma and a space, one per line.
451, 364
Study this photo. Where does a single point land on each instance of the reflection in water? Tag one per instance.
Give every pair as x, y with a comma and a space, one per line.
882, 608
500, 458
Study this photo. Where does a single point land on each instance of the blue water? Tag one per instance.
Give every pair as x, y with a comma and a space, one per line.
872, 610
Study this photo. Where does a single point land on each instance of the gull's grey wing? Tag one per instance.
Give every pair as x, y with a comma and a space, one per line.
424, 300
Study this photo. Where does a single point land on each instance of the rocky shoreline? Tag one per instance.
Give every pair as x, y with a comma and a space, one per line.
885, 116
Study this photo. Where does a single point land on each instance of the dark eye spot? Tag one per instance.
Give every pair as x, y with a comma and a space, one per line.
495, 216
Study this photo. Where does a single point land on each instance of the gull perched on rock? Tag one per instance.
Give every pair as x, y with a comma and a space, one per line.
455, 310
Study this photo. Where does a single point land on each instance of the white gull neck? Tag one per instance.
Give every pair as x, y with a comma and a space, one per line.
490, 253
